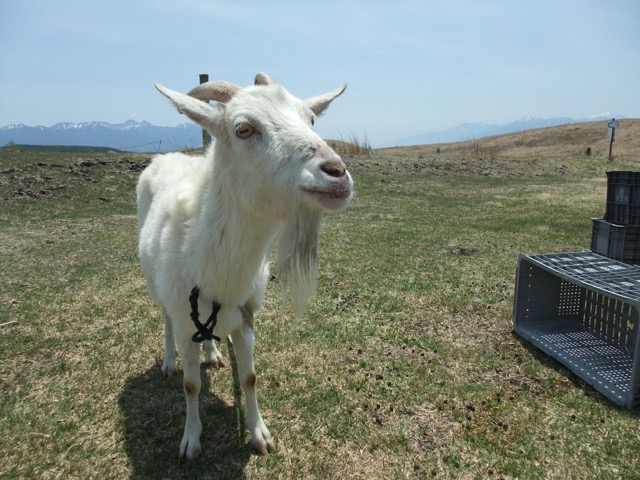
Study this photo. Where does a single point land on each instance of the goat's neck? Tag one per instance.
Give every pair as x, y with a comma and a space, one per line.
229, 244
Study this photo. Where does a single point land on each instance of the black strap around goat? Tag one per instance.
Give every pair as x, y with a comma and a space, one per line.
205, 332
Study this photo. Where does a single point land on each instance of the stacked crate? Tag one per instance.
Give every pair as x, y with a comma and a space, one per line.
583, 308
617, 235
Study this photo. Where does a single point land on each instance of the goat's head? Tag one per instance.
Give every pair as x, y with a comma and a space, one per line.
275, 164
268, 136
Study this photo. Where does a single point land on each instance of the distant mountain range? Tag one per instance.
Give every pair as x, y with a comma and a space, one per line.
130, 135
145, 137
471, 131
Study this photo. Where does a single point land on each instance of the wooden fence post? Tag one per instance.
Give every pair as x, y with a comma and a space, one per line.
206, 136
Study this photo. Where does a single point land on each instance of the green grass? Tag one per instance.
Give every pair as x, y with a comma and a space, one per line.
404, 366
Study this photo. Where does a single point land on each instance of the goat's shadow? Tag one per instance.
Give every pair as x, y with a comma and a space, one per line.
153, 414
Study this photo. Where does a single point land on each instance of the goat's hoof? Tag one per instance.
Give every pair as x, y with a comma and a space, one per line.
212, 354
214, 358
262, 441
169, 370
216, 363
189, 450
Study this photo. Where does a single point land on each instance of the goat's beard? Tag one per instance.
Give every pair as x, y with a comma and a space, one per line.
297, 259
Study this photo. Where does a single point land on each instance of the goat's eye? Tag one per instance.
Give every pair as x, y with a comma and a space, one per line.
244, 130
313, 121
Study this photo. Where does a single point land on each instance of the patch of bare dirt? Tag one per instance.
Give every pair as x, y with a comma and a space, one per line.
38, 180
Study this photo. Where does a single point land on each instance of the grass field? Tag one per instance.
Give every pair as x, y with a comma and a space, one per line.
404, 367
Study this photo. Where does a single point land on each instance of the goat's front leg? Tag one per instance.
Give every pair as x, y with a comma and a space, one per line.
169, 367
190, 353
243, 346
213, 355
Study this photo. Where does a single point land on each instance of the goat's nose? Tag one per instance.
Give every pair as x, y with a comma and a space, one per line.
335, 169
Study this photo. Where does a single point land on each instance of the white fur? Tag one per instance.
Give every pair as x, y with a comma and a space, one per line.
211, 222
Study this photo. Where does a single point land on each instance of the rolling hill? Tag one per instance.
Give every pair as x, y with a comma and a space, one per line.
556, 142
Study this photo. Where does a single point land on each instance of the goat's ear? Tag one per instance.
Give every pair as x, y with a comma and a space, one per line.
205, 115
320, 103
264, 79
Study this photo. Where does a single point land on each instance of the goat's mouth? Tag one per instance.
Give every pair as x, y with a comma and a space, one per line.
331, 198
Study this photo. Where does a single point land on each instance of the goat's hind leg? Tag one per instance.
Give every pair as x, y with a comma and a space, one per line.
213, 355
169, 367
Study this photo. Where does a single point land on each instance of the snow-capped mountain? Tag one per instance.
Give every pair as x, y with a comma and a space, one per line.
145, 137
130, 135
470, 131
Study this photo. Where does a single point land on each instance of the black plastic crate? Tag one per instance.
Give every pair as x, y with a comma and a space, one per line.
620, 242
582, 309
623, 198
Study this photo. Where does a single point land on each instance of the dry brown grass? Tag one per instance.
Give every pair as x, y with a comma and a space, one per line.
553, 142
350, 146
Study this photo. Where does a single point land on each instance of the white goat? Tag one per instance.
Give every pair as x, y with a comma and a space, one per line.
210, 222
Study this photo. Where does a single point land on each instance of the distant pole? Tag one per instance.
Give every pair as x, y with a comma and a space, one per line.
611, 147
613, 124
206, 136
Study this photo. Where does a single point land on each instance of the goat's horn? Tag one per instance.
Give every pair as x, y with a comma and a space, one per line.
264, 79
217, 91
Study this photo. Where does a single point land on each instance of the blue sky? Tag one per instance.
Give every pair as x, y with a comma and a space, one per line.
411, 66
